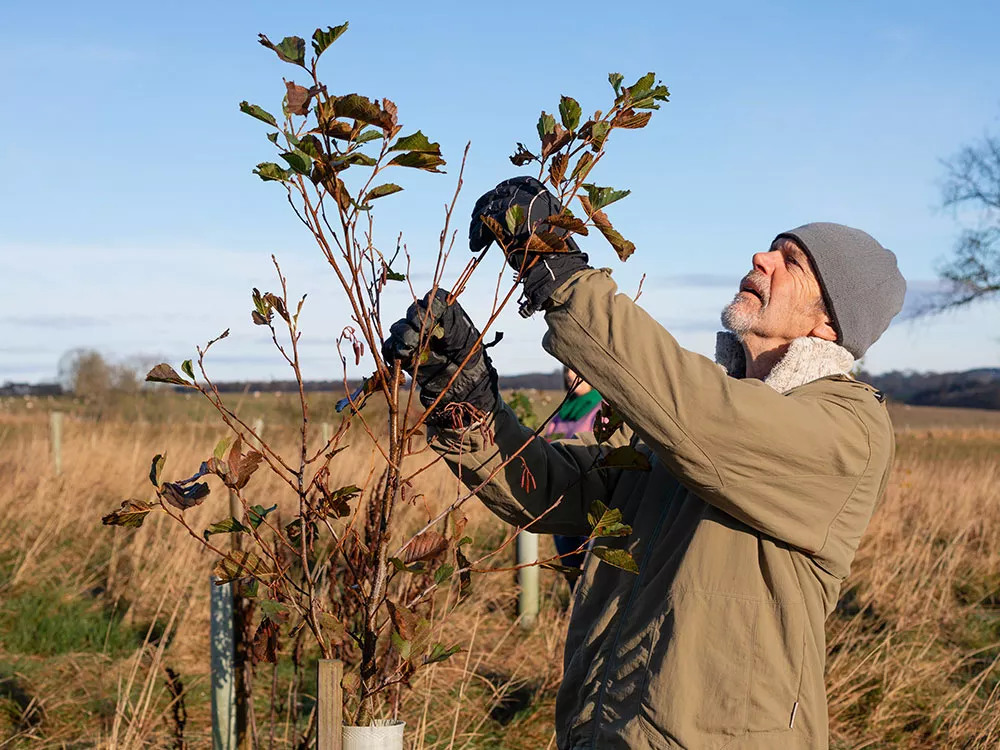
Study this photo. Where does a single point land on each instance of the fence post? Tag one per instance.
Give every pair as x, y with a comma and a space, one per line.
326, 433
238, 625
258, 428
527, 578
222, 654
55, 424
330, 705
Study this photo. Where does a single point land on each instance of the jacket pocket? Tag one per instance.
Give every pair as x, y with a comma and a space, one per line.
723, 665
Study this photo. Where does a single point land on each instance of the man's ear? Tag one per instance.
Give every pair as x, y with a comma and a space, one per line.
824, 330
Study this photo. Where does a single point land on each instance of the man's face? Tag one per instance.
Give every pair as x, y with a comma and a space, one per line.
779, 300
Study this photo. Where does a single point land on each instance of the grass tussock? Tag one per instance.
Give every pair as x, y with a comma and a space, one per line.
104, 632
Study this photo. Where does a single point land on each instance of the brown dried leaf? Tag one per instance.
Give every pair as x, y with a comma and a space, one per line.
557, 168
542, 241
555, 140
238, 565
425, 546
248, 465
131, 514
182, 497
569, 223
164, 373
265, 641
630, 119
403, 620
298, 98
494, 226
235, 456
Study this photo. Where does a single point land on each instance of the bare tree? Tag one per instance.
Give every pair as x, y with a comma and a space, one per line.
973, 185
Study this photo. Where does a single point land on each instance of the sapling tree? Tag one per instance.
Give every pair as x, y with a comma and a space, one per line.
340, 567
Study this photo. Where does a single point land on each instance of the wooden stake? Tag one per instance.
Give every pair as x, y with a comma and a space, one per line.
330, 704
527, 598
221, 650
55, 422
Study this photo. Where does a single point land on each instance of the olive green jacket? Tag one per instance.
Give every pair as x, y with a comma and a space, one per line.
743, 531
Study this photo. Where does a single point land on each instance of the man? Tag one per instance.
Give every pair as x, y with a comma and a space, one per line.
764, 477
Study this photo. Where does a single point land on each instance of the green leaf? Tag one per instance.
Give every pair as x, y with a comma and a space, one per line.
311, 146
625, 457
440, 653
514, 217
131, 514
267, 170
261, 114
615, 79
583, 165
419, 160
443, 573
569, 112
298, 161
618, 557
164, 373
221, 446
362, 108
402, 567
257, 513
610, 524
292, 49
368, 135
237, 565
644, 94
598, 134
226, 526
603, 196
359, 158
187, 368
546, 125
156, 468
403, 647
416, 142
381, 191
272, 610
323, 39
391, 275
596, 512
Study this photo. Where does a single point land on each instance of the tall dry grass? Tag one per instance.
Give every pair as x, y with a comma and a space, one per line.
913, 646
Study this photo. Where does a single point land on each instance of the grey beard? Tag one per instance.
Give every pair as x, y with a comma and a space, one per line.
735, 320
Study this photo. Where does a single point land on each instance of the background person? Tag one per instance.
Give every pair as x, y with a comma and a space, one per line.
575, 416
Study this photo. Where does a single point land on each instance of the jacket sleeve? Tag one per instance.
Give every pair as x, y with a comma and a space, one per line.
785, 465
553, 482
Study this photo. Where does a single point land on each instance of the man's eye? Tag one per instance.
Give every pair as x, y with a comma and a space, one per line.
794, 262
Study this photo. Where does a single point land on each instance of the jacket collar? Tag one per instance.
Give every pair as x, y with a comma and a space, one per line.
807, 359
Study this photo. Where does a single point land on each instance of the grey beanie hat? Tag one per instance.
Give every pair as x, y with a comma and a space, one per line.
861, 283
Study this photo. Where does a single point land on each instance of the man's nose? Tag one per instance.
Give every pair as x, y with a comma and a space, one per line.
763, 262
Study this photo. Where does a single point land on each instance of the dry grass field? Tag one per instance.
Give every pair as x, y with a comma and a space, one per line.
92, 618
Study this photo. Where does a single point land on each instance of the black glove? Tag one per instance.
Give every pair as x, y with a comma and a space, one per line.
541, 276
449, 336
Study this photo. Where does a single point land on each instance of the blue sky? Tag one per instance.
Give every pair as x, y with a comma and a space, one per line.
131, 222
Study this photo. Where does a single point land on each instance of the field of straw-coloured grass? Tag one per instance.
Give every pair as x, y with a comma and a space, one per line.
96, 623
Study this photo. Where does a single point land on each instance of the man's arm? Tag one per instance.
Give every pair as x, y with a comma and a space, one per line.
785, 465
553, 482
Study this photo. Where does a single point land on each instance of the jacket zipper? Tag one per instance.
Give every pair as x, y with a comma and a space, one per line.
621, 622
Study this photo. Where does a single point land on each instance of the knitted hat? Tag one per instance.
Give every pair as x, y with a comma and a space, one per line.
861, 284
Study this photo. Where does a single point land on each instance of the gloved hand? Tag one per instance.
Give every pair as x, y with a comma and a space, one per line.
541, 272
449, 336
